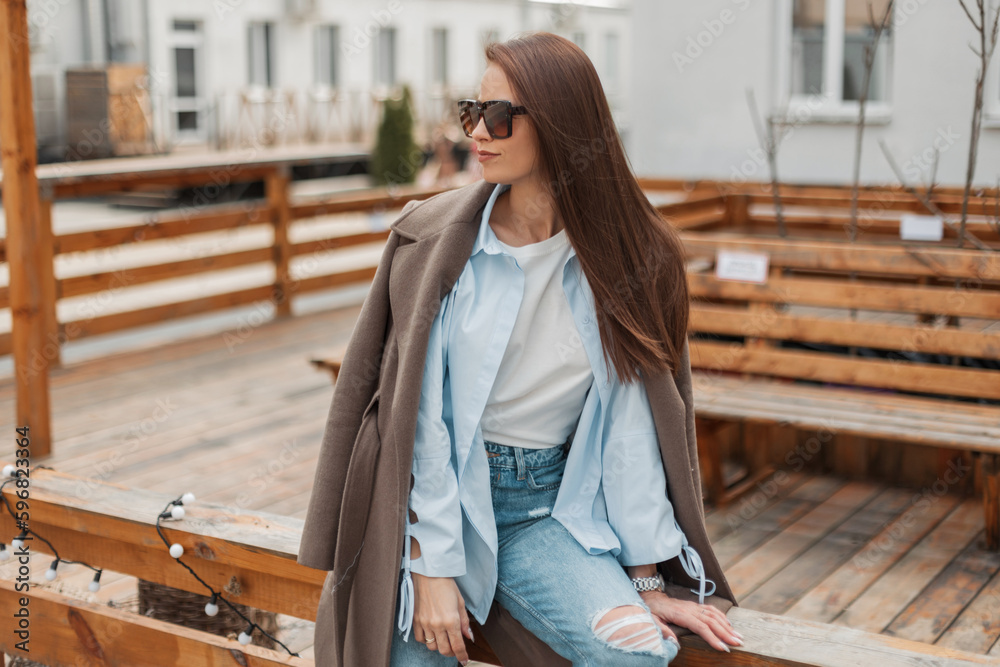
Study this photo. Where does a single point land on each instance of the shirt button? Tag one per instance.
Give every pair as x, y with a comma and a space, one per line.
586, 319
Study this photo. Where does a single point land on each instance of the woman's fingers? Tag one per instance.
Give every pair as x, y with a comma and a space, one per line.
454, 636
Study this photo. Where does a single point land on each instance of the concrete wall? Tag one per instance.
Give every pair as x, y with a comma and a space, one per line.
695, 61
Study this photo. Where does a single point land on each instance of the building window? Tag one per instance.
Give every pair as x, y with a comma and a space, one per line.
580, 39
261, 54
327, 47
385, 57
187, 101
439, 56
825, 62
808, 20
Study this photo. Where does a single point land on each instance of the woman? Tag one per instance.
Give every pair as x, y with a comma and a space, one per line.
574, 293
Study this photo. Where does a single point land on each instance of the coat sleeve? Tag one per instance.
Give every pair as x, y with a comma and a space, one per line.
635, 487
434, 496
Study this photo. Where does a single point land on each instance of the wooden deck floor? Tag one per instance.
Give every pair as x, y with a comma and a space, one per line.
237, 418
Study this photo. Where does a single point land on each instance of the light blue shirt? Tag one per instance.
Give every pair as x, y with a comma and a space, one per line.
613, 492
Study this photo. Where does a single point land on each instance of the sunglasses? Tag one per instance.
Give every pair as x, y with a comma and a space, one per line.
499, 116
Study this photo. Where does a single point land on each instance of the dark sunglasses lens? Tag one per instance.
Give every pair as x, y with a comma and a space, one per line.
468, 117
497, 120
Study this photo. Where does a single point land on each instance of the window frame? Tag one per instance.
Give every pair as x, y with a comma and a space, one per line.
269, 29
829, 106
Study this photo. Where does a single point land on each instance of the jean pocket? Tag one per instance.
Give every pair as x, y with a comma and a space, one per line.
547, 477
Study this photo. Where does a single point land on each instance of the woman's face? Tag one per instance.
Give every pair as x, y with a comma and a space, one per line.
514, 158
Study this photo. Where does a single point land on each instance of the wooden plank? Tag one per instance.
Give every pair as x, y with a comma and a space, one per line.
828, 598
371, 199
773, 325
166, 226
978, 626
863, 258
876, 608
30, 276
333, 279
115, 526
944, 598
807, 405
781, 591
859, 295
925, 378
97, 282
133, 318
768, 559
64, 631
46, 251
777, 640
337, 242
276, 186
752, 527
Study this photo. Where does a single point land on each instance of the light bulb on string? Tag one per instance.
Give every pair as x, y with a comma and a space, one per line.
244, 637
187, 497
176, 550
18, 541
50, 573
177, 512
4, 554
95, 584
211, 609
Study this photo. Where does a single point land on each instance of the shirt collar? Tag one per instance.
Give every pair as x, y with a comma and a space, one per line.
486, 239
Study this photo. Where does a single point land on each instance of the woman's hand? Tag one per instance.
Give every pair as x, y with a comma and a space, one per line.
704, 620
439, 615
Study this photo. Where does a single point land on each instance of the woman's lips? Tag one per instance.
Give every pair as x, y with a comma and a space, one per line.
484, 156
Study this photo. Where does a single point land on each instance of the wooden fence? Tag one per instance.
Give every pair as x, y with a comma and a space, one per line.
114, 528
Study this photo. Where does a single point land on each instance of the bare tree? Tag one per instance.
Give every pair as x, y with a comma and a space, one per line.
768, 139
870, 49
987, 44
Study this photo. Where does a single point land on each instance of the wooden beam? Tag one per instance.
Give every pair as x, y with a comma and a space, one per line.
970, 265
834, 293
165, 227
882, 373
25, 238
65, 632
276, 185
774, 325
775, 640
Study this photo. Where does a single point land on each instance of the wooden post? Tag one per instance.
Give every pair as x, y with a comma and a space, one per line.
737, 213
991, 499
46, 266
25, 239
276, 184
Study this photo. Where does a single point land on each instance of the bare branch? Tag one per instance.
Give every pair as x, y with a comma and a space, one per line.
969, 14
928, 204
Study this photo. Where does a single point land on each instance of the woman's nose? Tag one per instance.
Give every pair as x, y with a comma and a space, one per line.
480, 132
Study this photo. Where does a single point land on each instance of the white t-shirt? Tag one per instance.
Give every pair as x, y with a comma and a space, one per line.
544, 375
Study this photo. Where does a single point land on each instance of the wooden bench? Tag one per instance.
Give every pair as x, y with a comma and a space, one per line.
330, 361
842, 340
114, 527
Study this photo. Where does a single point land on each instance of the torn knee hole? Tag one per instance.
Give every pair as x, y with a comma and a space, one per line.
629, 627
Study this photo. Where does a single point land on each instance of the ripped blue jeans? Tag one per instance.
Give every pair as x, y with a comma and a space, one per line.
549, 582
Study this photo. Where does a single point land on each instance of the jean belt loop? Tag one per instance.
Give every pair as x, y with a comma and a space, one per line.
519, 457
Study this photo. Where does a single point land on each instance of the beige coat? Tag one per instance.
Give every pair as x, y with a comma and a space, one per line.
355, 520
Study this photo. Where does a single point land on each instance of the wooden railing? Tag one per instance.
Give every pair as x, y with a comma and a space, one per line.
114, 528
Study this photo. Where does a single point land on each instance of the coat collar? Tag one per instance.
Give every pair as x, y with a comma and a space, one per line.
436, 214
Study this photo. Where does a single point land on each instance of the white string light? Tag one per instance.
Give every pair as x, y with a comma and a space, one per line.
174, 510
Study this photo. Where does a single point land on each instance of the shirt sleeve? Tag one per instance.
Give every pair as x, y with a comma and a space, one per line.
635, 488
434, 496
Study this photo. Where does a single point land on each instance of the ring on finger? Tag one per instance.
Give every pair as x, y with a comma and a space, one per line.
430, 641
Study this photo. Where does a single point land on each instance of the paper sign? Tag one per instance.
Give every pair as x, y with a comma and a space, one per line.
921, 228
747, 267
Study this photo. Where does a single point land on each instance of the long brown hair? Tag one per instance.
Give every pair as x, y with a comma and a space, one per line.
633, 259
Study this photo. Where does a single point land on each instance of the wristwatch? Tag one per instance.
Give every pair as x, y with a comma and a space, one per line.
649, 583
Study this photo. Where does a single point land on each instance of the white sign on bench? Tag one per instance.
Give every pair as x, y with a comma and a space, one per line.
921, 228
747, 267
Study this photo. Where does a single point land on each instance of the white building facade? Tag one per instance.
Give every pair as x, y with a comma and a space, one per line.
803, 59
222, 72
